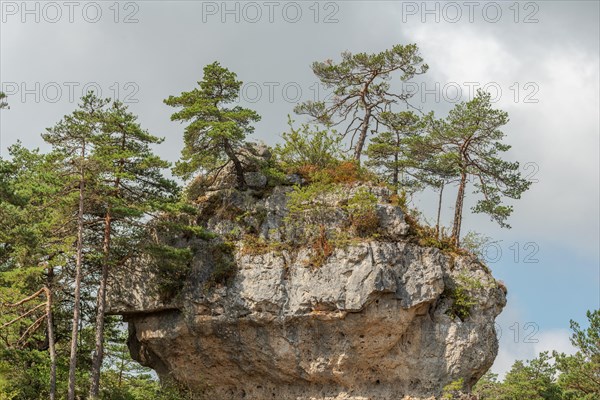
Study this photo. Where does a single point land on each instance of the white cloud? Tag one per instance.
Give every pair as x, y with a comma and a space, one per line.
465, 54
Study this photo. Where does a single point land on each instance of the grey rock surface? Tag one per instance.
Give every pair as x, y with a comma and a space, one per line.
372, 322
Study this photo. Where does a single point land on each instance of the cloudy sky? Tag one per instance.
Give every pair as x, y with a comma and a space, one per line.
540, 61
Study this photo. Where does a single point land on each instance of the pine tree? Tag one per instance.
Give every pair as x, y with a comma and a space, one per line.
388, 151
73, 138
215, 132
469, 144
360, 84
580, 372
534, 379
130, 188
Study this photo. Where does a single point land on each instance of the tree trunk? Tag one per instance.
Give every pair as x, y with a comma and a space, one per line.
121, 369
78, 273
395, 178
439, 212
50, 321
101, 311
101, 300
458, 209
363, 135
239, 170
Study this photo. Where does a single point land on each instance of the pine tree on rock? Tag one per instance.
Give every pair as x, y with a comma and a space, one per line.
215, 132
361, 90
470, 143
388, 150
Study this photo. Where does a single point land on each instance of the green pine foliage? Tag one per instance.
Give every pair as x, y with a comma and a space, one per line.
389, 151
215, 132
580, 372
361, 90
553, 376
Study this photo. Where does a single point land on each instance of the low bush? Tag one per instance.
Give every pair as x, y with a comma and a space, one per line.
362, 207
322, 248
225, 267
462, 301
308, 146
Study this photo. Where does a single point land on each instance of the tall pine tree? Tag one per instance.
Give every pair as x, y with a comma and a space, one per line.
73, 138
130, 188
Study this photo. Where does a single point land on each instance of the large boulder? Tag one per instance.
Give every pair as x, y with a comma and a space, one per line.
377, 319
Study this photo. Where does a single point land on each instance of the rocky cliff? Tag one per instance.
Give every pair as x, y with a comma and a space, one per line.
377, 316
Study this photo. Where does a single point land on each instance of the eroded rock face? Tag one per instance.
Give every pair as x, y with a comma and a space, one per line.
374, 321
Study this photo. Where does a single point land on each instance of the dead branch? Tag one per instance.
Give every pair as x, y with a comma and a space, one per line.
22, 316
26, 299
32, 328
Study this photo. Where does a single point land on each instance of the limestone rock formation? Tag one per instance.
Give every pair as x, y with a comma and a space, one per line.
379, 318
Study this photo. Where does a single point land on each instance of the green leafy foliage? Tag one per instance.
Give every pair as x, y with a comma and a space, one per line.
362, 207
309, 214
308, 207
553, 376
453, 389
389, 151
172, 266
462, 299
476, 243
308, 146
535, 379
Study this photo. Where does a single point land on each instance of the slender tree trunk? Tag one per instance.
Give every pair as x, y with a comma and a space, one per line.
78, 273
121, 368
395, 178
101, 301
50, 321
239, 170
363, 135
439, 212
458, 209
100, 313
